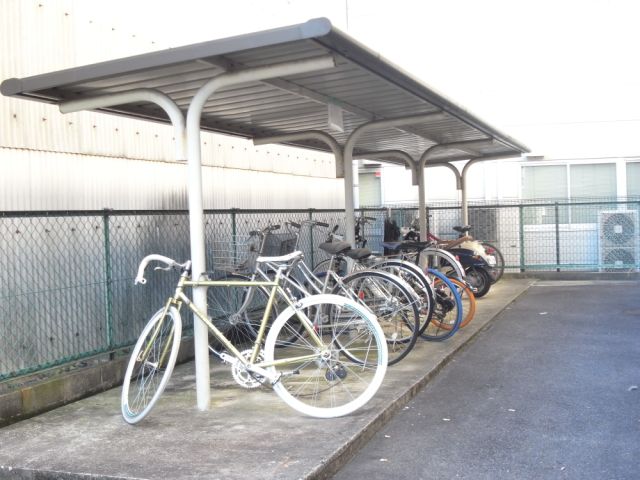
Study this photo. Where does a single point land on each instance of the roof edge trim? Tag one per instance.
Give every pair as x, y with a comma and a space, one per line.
186, 53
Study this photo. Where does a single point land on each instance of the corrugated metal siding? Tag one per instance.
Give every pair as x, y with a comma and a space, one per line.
38, 180
84, 160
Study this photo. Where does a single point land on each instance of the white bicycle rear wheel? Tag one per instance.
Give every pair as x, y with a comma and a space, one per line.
330, 383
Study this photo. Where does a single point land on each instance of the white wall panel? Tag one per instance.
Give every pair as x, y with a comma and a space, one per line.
90, 160
38, 180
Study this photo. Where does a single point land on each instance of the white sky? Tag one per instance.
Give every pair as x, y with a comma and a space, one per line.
561, 76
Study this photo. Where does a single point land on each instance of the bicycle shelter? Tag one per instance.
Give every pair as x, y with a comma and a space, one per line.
307, 85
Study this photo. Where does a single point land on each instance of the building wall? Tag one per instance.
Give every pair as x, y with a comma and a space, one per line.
90, 160
491, 180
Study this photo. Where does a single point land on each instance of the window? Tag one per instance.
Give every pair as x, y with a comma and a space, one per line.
591, 181
545, 182
567, 182
370, 189
633, 179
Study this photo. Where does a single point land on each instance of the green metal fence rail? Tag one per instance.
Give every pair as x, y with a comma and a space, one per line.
66, 278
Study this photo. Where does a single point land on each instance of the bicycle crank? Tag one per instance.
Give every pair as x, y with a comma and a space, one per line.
241, 373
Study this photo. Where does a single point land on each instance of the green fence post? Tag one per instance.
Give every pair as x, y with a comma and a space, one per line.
557, 212
234, 239
108, 279
521, 212
311, 239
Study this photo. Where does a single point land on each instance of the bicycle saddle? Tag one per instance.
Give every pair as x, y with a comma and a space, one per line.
358, 253
333, 248
462, 229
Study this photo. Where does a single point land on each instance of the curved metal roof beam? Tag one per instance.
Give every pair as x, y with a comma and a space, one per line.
319, 135
467, 146
135, 96
451, 167
348, 159
464, 205
403, 157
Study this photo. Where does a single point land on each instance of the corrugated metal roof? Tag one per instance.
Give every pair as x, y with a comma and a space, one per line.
365, 85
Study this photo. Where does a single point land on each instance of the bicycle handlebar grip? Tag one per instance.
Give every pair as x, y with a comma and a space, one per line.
372, 219
149, 258
322, 224
294, 224
272, 228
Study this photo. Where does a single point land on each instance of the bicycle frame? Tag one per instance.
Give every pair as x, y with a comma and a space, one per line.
179, 297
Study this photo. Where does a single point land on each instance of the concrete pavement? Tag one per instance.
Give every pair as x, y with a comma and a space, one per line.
246, 433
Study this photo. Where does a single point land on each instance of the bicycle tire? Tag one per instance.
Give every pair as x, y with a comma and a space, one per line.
468, 300
413, 275
447, 309
498, 268
393, 303
330, 384
480, 279
441, 260
149, 357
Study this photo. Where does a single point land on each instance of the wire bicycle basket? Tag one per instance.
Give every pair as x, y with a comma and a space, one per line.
237, 254
276, 244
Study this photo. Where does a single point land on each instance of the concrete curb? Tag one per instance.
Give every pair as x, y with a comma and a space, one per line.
34, 394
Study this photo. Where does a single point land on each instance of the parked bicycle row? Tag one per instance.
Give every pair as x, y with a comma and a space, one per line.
320, 335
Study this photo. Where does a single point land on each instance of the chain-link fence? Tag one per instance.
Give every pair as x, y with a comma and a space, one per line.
551, 235
67, 290
66, 278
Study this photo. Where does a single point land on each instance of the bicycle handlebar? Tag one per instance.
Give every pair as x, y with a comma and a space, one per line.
264, 231
313, 223
158, 258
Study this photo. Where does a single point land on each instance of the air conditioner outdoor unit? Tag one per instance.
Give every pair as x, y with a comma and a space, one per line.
619, 240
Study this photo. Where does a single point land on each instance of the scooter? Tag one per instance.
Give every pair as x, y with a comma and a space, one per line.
478, 271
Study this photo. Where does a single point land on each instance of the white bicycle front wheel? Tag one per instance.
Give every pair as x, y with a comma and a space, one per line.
322, 380
151, 364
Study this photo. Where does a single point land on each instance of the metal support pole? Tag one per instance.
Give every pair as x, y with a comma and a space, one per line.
464, 204
422, 214
521, 235
557, 215
196, 224
463, 181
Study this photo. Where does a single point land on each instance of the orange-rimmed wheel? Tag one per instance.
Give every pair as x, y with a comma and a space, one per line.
468, 304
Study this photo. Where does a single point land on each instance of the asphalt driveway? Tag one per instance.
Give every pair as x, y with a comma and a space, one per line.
549, 390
